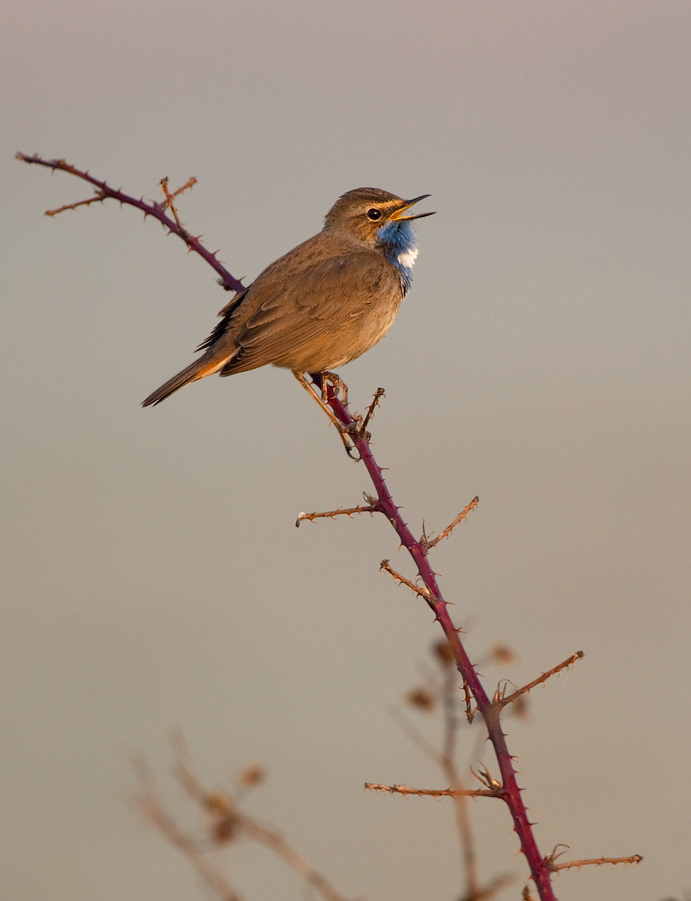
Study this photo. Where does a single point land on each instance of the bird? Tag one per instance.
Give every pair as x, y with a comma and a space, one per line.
322, 304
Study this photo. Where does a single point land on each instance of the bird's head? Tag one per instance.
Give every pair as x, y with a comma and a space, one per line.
373, 216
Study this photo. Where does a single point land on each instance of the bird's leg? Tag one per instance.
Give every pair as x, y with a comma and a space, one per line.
321, 398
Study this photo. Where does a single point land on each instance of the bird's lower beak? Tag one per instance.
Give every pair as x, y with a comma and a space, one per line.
407, 205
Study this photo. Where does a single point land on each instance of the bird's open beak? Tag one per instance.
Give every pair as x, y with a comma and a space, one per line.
407, 205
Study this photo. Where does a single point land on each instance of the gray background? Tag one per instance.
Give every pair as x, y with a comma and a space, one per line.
152, 573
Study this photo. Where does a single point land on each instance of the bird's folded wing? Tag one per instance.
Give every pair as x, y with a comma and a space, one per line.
312, 305
226, 315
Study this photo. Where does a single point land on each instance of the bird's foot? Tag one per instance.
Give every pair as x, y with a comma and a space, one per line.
338, 387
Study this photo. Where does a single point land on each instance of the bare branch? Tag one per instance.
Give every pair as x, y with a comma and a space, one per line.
331, 514
190, 183
431, 792
511, 793
173, 209
429, 543
502, 700
378, 394
157, 210
226, 823
451, 723
99, 197
149, 803
423, 592
592, 862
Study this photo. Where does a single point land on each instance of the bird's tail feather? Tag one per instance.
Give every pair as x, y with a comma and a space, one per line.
191, 373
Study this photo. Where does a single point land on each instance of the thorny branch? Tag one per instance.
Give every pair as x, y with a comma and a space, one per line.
490, 710
157, 210
511, 792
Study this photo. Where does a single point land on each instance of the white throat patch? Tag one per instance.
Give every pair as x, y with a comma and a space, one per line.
406, 258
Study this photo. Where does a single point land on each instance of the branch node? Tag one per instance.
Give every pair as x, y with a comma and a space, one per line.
487, 779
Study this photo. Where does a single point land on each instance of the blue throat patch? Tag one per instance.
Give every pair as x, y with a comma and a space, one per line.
400, 246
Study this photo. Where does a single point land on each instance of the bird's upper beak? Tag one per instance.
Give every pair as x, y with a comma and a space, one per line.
407, 205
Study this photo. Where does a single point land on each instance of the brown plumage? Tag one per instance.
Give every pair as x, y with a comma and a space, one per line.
321, 305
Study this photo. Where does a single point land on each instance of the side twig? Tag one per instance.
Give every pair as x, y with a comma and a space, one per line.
331, 514
504, 700
597, 862
429, 543
432, 792
551, 859
402, 580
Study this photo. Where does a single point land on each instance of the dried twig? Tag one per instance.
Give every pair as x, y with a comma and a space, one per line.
190, 183
173, 209
429, 543
590, 862
150, 805
432, 792
331, 514
423, 592
448, 762
99, 197
378, 394
503, 700
226, 823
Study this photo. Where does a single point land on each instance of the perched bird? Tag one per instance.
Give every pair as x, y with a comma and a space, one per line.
321, 305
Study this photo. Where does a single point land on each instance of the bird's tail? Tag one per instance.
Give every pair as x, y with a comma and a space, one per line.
191, 373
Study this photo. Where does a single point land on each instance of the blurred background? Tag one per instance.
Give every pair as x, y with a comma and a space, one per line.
153, 576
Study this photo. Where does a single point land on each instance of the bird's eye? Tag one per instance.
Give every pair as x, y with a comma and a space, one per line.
374, 214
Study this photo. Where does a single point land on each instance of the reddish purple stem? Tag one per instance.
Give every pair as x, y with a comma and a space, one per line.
156, 210
510, 792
